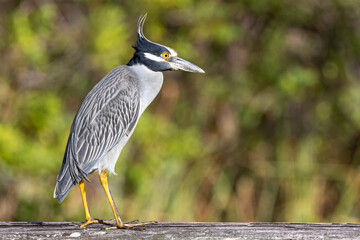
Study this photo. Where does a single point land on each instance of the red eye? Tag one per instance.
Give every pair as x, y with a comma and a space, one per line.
165, 55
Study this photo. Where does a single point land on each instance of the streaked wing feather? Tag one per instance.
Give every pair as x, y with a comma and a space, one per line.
109, 111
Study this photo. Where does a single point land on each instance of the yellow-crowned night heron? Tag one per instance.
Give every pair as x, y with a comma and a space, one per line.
108, 116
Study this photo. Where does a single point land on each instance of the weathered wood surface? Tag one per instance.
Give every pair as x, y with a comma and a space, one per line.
70, 230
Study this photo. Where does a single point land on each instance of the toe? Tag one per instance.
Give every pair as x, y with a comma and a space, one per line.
88, 222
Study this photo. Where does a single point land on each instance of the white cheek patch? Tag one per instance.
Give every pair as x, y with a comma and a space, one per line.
154, 57
172, 52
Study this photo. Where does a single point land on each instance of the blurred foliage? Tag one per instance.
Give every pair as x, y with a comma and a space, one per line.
271, 132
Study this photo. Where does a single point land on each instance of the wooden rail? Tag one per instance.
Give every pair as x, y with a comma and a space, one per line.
71, 230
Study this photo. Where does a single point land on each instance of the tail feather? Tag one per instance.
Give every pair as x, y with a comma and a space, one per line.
70, 174
63, 187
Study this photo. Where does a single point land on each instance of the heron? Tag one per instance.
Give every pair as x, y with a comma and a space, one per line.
108, 116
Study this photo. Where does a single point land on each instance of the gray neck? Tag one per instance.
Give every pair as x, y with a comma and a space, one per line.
150, 83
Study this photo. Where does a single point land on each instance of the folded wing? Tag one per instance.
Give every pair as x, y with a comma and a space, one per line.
108, 113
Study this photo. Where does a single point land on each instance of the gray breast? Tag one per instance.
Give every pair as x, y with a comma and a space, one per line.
150, 83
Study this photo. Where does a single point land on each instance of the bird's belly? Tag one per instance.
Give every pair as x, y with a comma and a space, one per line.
108, 161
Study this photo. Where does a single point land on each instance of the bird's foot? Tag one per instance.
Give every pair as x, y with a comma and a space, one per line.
89, 221
93, 220
132, 225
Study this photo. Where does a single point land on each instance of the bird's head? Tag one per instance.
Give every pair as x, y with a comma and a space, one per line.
156, 56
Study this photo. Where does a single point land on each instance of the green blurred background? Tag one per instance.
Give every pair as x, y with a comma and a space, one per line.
271, 132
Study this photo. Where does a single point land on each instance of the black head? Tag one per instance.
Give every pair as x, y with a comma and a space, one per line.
157, 57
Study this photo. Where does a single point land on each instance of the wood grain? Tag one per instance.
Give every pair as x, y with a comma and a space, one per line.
164, 230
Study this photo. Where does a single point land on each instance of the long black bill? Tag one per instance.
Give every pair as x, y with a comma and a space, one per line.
181, 64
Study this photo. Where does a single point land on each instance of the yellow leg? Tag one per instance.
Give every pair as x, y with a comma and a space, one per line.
119, 222
88, 218
104, 183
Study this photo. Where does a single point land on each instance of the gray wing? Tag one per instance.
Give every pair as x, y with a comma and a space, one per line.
108, 113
